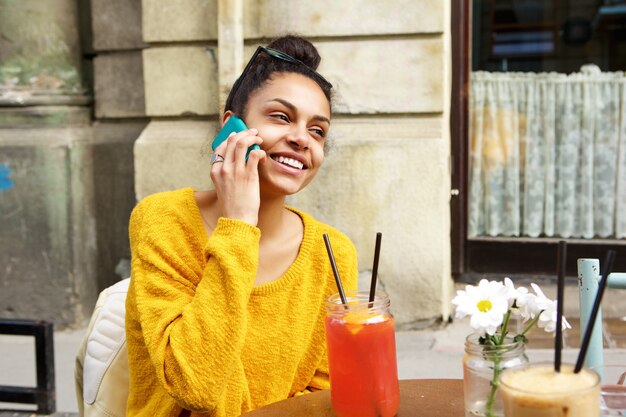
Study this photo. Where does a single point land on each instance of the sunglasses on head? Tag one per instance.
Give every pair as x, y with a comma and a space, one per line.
274, 53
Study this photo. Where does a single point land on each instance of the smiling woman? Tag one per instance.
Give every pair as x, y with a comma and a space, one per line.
228, 286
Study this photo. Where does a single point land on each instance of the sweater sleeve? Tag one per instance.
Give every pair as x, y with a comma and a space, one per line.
194, 320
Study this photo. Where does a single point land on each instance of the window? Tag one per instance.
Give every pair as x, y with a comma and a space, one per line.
538, 124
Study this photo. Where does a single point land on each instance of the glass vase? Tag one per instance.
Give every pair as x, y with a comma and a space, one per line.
482, 366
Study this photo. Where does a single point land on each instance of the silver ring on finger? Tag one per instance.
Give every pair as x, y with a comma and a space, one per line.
216, 157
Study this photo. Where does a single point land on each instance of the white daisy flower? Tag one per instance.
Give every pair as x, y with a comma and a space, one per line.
538, 303
486, 304
515, 296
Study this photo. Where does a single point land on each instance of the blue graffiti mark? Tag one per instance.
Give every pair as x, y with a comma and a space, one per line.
5, 181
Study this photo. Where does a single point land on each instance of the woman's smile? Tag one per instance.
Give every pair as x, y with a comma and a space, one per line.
290, 160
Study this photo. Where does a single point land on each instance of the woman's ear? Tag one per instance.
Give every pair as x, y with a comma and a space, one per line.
226, 116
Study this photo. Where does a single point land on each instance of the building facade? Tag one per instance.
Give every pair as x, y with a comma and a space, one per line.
135, 90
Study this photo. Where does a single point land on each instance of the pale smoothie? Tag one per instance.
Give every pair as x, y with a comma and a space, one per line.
538, 391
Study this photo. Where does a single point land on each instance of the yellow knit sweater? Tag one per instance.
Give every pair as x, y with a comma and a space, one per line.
200, 335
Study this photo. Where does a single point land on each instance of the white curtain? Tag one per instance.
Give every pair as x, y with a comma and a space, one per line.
548, 154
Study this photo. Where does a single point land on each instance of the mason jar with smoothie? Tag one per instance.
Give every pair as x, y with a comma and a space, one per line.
536, 390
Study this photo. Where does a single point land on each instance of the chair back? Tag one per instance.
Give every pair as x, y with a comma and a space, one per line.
101, 372
588, 282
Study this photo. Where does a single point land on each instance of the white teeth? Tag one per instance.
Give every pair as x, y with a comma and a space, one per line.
289, 161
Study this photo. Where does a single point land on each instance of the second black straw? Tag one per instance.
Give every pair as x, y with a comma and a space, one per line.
379, 237
558, 339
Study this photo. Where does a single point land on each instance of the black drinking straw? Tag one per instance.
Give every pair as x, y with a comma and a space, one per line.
558, 340
379, 237
610, 257
329, 249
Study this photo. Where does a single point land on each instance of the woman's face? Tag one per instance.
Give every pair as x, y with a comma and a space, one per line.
292, 116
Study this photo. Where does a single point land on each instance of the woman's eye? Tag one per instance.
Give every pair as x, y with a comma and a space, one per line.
318, 132
280, 116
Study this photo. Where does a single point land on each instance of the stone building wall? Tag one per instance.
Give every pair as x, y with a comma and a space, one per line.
388, 169
119, 113
47, 234
157, 87
67, 177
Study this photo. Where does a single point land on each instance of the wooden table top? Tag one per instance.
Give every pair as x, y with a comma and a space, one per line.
418, 398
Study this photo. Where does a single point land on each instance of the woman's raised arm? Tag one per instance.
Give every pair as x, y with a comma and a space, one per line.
193, 320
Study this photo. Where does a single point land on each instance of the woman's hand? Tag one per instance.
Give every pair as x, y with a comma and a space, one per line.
237, 181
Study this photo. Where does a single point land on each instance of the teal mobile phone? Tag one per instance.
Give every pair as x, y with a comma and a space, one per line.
233, 124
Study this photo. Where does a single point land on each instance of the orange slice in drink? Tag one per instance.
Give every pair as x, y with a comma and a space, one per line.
356, 320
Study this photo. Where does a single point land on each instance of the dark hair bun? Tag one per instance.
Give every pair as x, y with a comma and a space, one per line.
298, 48
264, 66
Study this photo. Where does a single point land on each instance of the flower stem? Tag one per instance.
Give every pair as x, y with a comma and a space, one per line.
495, 383
505, 324
531, 324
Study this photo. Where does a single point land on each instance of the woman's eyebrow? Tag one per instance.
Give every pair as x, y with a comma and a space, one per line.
293, 108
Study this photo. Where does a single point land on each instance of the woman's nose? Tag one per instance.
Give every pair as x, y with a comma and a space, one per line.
299, 138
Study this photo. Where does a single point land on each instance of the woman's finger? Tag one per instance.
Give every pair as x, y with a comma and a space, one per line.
221, 148
231, 143
218, 158
256, 157
244, 142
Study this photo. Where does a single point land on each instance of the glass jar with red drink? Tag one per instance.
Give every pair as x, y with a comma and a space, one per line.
361, 342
